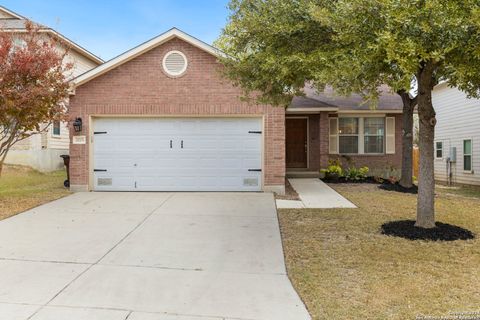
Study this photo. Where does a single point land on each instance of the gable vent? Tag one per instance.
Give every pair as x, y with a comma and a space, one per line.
175, 63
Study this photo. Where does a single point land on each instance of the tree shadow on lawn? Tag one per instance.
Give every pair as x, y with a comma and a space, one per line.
442, 232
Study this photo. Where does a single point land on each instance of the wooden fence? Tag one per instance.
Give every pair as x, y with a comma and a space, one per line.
416, 161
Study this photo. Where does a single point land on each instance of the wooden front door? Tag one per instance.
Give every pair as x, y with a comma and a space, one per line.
296, 143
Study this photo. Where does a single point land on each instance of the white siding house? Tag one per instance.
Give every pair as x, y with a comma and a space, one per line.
457, 135
42, 151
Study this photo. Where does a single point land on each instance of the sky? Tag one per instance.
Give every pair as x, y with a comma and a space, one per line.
108, 28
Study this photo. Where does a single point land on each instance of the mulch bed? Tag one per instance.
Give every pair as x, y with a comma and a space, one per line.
344, 180
383, 184
387, 186
442, 232
290, 193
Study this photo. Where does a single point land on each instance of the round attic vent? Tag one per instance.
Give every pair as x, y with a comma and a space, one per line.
174, 63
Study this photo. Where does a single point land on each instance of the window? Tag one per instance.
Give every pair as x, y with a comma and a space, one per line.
56, 128
348, 135
467, 155
374, 133
439, 150
19, 43
361, 135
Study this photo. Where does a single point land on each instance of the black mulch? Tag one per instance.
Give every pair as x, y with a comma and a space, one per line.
398, 188
442, 232
344, 180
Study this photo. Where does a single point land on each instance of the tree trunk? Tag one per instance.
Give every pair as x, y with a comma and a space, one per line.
426, 180
2, 161
406, 180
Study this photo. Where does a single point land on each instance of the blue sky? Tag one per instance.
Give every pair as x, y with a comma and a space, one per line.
110, 27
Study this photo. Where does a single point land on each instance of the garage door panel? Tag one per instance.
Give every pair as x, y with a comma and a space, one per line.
251, 144
160, 163
217, 154
209, 162
155, 182
252, 163
103, 145
197, 142
231, 163
160, 143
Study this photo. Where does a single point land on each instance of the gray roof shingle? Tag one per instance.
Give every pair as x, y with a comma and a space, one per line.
328, 99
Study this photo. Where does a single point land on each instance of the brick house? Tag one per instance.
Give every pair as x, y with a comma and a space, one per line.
161, 118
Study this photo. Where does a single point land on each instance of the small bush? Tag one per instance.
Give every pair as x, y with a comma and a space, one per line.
334, 170
356, 174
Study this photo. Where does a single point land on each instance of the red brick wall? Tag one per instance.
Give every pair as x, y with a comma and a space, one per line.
314, 142
324, 139
140, 87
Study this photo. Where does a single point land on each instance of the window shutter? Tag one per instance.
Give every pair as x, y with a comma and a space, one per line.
390, 135
333, 136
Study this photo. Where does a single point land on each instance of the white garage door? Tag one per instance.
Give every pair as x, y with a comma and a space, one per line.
177, 154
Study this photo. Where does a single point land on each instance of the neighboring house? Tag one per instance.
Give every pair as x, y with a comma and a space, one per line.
457, 136
42, 151
161, 118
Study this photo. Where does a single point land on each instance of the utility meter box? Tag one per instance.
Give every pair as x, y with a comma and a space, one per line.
453, 154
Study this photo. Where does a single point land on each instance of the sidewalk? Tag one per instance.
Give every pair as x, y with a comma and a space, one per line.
314, 193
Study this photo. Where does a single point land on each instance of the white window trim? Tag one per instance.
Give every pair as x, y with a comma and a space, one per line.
390, 124
361, 135
443, 150
53, 131
471, 155
333, 136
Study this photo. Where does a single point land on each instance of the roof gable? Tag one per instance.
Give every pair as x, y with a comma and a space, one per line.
7, 14
13, 22
141, 49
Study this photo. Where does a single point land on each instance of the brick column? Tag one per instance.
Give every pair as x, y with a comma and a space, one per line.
323, 139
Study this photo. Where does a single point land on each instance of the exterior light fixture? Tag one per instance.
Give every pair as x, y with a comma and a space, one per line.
77, 125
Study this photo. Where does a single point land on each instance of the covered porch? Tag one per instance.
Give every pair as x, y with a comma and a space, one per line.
306, 144
323, 126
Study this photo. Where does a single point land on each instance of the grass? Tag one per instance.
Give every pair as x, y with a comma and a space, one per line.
22, 188
343, 268
463, 191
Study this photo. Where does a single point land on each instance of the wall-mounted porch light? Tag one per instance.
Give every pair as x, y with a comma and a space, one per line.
77, 124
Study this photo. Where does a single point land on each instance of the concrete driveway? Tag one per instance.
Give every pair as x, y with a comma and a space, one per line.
146, 256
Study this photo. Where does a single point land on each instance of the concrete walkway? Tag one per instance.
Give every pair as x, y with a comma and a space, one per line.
314, 193
146, 256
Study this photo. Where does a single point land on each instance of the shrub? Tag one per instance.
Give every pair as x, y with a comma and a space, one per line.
334, 170
390, 171
356, 174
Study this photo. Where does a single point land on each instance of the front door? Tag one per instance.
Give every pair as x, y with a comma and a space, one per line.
296, 143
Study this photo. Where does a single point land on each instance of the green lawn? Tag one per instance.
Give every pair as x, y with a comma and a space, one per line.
22, 188
343, 268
